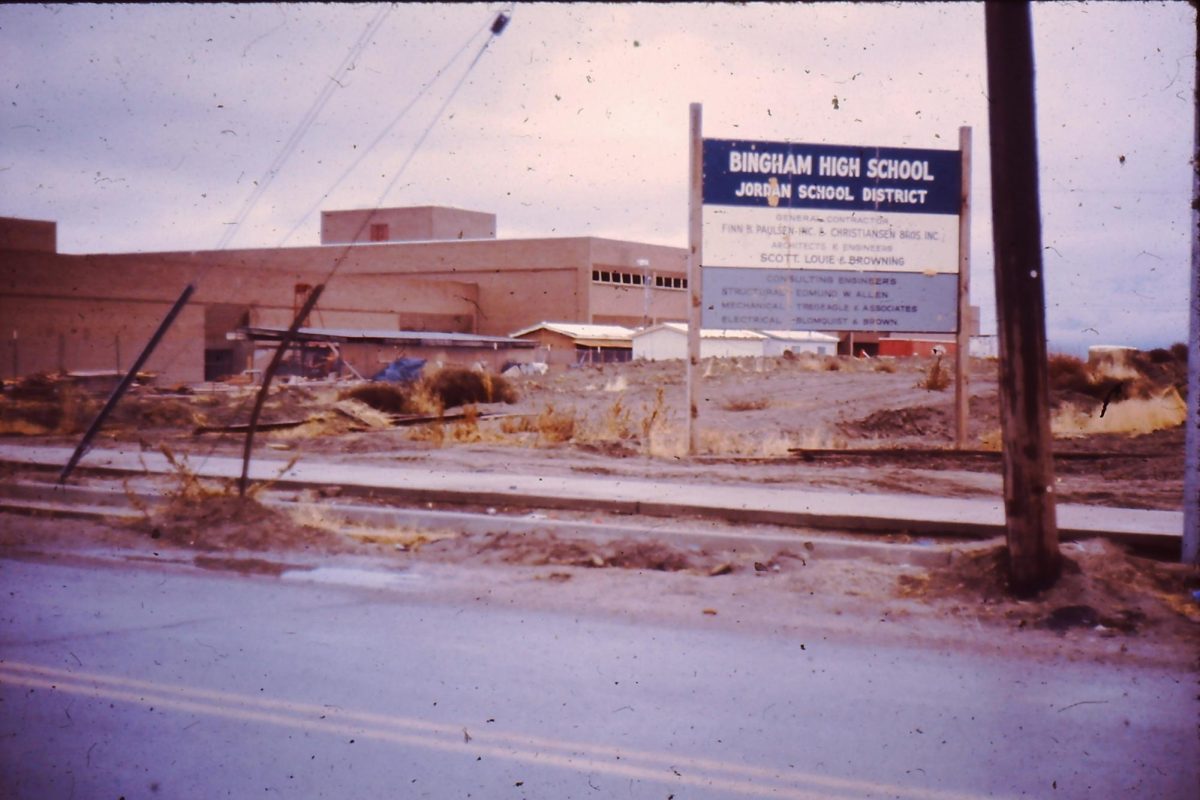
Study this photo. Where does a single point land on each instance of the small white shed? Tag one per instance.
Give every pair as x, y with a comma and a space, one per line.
780, 342
668, 340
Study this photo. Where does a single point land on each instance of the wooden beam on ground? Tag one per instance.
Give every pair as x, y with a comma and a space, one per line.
1033, 556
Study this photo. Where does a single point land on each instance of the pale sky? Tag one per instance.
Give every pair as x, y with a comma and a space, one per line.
143, 127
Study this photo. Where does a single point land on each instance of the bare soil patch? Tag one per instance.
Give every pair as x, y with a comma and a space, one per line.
222, 523
1102, 588
841, 423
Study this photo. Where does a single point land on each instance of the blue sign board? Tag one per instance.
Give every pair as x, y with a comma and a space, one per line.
830, 237
831, 176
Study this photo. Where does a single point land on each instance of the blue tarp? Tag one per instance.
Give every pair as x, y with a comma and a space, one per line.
402, 370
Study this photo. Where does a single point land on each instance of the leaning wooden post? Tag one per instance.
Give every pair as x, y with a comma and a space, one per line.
268, 374
962, 355
1033, 557
126, 381
695, 253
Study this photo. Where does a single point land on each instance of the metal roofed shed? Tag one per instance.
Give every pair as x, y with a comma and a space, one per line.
668, 340
780, 342
325, 352
572, 343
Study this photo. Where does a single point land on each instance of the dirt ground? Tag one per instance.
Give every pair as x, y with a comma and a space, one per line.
806, 421
837, 423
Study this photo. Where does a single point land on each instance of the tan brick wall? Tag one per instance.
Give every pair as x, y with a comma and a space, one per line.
487, 287
415, 224
28, 234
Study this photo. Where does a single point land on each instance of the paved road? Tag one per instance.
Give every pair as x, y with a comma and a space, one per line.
148, 682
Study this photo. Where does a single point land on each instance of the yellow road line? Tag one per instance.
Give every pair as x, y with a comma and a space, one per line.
662, 767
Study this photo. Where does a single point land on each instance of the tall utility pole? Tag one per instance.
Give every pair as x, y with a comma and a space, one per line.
1191, 476
1034, 562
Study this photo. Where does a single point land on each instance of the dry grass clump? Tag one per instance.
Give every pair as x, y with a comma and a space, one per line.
402, 538
1164, 366
1135, 417
150, 411
806, 362
554, 427
620, 427
884, 366
1147, 388
44, 403
390, 398
211, 515
1071, 375
747, 404
449, 387
936, 378
453, 386
550, 427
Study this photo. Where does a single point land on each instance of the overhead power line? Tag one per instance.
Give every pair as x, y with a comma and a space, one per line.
387, 129
305, 123
500, 23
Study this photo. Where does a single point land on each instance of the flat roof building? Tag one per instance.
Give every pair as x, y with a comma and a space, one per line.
425, 268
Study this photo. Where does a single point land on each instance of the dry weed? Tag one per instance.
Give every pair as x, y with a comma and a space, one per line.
616, 424
937, 378
188, 487
666, 440
453, 386
747, 404
1135, 417
554, 427
314, 516
44, 403
386, 397
810, 362
466, 430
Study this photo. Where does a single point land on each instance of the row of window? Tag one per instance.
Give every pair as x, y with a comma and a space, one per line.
635, 279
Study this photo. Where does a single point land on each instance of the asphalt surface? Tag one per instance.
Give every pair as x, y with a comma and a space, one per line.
845, 511
138, 682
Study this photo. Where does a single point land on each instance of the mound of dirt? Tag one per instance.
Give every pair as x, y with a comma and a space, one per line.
540, 550
894, 422
1102, 587
221, 522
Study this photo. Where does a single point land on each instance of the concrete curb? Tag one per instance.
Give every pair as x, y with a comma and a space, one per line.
740, 504
77, 501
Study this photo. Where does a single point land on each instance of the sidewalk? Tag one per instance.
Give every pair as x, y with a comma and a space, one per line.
843, 511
